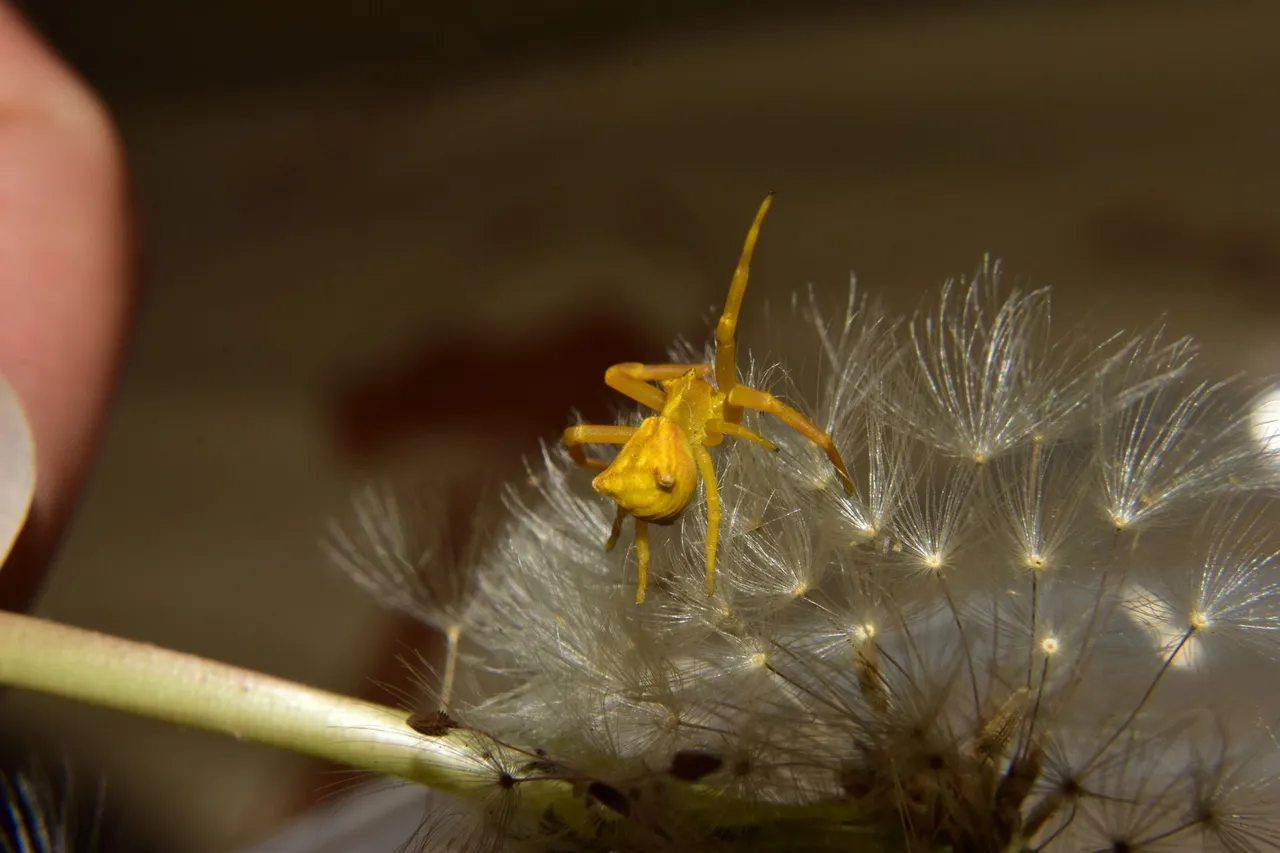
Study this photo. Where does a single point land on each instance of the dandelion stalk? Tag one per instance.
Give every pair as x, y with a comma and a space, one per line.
185, 690
182, 689
451, 637
864, 677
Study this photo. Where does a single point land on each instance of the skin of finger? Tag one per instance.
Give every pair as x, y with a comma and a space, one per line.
65, 274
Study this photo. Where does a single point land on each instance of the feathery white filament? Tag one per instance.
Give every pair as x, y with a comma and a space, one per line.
1004, 640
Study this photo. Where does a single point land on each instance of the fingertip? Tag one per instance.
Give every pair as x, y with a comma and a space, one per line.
66, 284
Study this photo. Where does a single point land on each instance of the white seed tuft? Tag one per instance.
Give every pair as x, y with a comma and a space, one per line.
1047, 618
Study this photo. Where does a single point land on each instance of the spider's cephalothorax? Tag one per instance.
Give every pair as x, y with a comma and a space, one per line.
655, 474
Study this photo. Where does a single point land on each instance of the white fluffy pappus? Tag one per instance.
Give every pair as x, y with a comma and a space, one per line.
1047, 619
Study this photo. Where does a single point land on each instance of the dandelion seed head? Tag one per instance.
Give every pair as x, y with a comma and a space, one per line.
1059, 552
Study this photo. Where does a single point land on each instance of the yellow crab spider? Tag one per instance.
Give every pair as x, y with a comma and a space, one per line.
656, 472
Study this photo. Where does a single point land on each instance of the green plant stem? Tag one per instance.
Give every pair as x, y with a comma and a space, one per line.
181, 689
186, 690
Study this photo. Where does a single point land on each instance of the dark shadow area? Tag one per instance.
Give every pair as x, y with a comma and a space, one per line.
156, 48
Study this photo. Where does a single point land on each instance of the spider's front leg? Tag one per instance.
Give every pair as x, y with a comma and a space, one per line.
727, 327
763, 401
576, 436
708, 470
633, 379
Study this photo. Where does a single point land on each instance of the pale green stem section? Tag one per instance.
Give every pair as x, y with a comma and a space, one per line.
185, 690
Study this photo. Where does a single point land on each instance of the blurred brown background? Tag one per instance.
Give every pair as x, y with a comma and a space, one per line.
380, 227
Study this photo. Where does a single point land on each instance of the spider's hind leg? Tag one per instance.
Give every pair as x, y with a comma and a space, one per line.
763, 401
739, 431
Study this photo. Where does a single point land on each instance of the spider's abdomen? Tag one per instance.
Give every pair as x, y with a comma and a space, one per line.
653, 476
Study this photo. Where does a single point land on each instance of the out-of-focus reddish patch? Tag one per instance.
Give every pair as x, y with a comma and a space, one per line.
511, 394
515, 391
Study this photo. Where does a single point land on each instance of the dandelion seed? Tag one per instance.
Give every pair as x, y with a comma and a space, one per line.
1184, 442
1158, 617
1056, 560
931, 516
1233, 794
